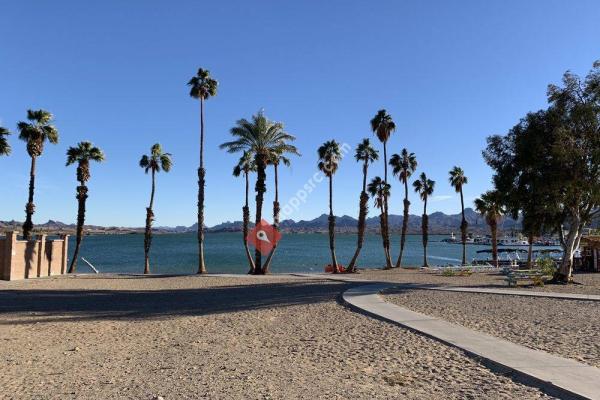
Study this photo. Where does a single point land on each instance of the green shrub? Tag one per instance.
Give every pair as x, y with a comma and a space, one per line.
546, 265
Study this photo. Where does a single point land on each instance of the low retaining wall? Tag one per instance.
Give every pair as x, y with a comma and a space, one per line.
22, 259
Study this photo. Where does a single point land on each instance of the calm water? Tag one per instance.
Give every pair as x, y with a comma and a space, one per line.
177, 253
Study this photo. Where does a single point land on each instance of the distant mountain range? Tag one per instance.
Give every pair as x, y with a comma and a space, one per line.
439, 223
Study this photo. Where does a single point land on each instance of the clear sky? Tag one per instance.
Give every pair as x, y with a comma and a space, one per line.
115, 73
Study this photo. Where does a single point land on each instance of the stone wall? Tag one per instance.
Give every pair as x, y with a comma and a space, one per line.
21, 259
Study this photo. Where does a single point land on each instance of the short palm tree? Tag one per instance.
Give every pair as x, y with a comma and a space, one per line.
261, 137
35, 133
245, 166
383, 126
378, 190
424, 187
82, 154
156, 161
365, 154
490, 206
329, 159
4, 146
403, 166
458, 179
202, 87
277, 157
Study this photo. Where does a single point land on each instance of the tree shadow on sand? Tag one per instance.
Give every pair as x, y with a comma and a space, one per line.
38, 306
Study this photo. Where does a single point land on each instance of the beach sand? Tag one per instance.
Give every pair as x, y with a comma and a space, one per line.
112, 337
588, 283
567, 328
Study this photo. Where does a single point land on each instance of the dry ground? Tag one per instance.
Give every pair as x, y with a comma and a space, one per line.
587, 283
107, 337
567, 328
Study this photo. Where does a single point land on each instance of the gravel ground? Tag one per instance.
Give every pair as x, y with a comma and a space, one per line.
567, 328
588, 283
109, 337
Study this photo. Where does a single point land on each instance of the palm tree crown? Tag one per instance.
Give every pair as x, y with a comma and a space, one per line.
157, 160
383, 125
202, 85
4, 146
424, 186
490, 206
365, 152
378, 189
261, 137
403, 165
457, 178
245, 164
83, 154
329, 157
37, 131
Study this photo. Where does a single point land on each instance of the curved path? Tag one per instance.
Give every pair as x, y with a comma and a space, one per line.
558, 376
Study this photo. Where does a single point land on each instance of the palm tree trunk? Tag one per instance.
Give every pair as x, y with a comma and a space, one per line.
463, 229
494, 229
260, 189
246, 219
332, 227
267, 265
148, 231
425, 228
30, 207
362, 216
201, 185
530, 251
404, 224
388, 258
81, 198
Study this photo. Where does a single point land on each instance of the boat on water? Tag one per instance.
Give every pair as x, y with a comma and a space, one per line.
511, 241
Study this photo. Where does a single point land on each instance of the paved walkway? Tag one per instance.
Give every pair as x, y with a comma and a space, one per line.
559, 376
468, 289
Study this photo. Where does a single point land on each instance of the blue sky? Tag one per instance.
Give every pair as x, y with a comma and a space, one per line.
114, 72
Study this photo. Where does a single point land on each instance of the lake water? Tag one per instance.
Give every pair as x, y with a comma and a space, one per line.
177, 253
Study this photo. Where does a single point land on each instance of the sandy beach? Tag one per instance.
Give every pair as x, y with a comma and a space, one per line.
567, 328
276, 337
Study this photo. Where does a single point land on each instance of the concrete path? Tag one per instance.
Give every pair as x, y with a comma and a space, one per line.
467, 289
516, 292
558, 376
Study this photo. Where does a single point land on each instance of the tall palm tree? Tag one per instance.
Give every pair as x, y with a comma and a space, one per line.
245, 166
202, 87
329, 159
378, 190
403, 166
155, 162
424, 187
366, 154
82, 155
262, 138
4, 146
458, 179
35, 133
383, 126
277, 157
490, 206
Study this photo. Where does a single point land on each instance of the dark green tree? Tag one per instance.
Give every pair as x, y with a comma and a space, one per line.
35, 133
365, 154
203, 87
156, 161
491, 207
4, 146
457, 181
379, 190
403, 166
82, 154
329, 159
383, 126
262, 138
424, 187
